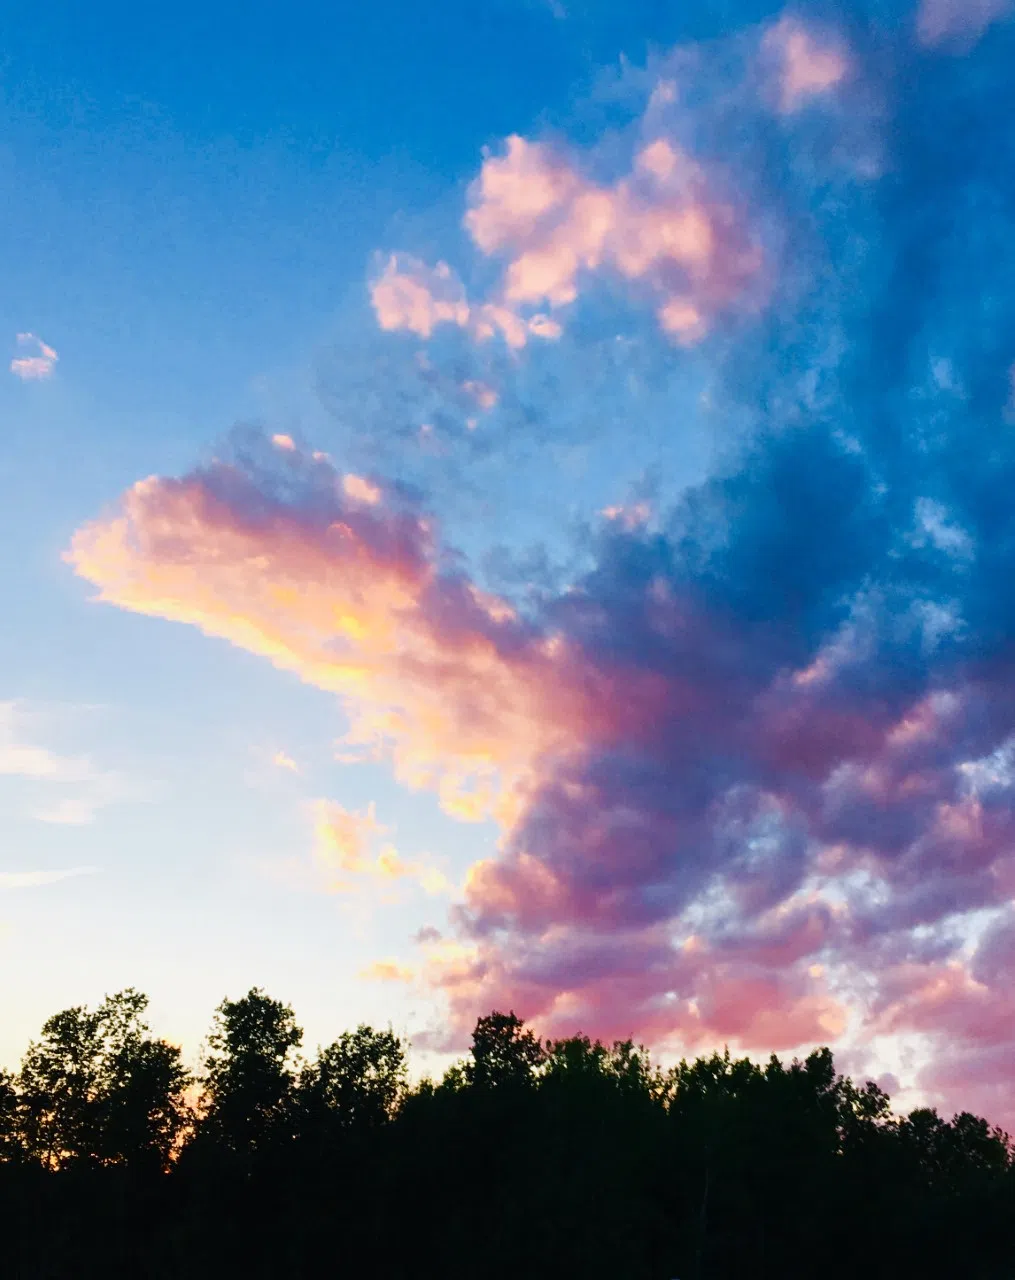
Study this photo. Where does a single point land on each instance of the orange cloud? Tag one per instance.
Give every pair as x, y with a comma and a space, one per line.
386, 971
37, 366
282, 761
342, 837
438, 676
344, 841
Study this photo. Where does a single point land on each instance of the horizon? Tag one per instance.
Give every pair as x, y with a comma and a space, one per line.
512, 511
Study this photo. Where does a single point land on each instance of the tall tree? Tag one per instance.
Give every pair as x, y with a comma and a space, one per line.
249, 1077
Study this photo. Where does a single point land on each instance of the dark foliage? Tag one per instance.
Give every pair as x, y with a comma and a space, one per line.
559, 1159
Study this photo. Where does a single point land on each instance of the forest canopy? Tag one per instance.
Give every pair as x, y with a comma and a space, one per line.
529, 1157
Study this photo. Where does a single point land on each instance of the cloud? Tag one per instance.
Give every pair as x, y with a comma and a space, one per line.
346, 842
351, 596
387, 971
407, 294
283, 761
958, 24
81, 789
36, 366
33, 879
674, 229
807, 67
660, 225
342, 838
752, 756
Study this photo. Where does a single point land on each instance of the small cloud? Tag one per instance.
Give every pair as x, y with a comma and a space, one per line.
386, 971
342, 837
483, 394
957, 24
629, 517
345, 841
33, 879
360, 490
282, 761
282, 441
808, 67
408, 294
38, 364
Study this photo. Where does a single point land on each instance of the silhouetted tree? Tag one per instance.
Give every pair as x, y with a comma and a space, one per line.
249, 1079
504, 1052
10, 1144
97, 1087
556, 1159
357, 1081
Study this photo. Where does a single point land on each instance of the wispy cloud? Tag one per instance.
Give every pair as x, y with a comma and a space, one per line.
387, 971
34, 879
958, 24
39, 361
74, 788
349, 850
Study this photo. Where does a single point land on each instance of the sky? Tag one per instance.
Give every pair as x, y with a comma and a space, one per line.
510, 506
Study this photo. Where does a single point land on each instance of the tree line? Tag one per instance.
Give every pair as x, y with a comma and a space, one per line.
528, 1158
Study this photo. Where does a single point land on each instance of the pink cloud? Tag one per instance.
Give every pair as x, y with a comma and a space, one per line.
661, 226
410, 295
39, 364
633, 983
349, 596
710, 829
361, 490
501, 718
958, 24
807, 66
966, 1012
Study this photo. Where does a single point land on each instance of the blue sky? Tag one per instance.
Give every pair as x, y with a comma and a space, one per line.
599, 412
192, 201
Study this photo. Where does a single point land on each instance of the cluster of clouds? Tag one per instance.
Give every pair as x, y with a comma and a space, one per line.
667, 227
754, 764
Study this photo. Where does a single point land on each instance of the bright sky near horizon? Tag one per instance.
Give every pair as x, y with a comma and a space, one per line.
509, 506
